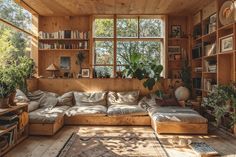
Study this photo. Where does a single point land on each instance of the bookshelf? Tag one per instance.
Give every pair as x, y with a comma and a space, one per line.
12, 130
217, 66
177, 44
63, 37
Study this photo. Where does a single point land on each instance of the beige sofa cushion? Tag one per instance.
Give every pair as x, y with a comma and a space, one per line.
94, 110
47, 116
124, 98
119, 110
176, 114
86, 98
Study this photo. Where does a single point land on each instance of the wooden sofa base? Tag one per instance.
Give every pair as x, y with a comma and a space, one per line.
46, 129
106, 120
179, 128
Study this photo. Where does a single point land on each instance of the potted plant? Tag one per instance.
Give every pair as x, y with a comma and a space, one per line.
7, 86
182, 93
80, 60
218, 99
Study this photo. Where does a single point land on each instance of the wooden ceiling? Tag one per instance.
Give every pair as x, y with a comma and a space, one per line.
99, 7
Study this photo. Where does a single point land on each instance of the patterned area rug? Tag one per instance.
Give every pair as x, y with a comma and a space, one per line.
107, 143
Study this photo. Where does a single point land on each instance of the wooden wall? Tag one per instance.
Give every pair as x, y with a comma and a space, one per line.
61, 86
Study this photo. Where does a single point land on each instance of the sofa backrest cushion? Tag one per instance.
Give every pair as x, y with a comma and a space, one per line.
36, 95
124, 98
66, 99
93, 98
48, 101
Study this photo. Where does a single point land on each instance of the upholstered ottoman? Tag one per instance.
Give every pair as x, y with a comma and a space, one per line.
177, 120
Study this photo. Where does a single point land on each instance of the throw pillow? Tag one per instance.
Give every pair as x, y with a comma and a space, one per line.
66, 99
20, 96
36, 95
167, 102
33, 105
124, 98
48, 101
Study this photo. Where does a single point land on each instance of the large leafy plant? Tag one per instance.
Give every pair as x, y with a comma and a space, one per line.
144, 69
218, 99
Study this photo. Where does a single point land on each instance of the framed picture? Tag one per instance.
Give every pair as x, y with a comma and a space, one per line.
85, 72
65, 63
174, 50
226, 43
176, 31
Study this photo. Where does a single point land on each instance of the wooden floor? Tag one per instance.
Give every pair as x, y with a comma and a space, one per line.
44, 146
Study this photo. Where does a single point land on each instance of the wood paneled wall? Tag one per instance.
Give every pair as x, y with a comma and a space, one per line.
61, 86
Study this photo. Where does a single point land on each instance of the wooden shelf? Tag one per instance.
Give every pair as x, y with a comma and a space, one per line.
12, 108
229, 26
226, 53
18, 135
51, 39
209, 72
172, 38
209, 35
63, 49
197, 59
210, 56
7, 130
197, 39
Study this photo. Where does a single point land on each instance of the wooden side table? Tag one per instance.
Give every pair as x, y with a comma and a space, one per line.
13, 126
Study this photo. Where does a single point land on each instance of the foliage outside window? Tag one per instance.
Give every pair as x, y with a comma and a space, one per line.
14, 44
133, 35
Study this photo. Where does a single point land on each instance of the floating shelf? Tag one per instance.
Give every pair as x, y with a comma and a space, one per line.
63, 49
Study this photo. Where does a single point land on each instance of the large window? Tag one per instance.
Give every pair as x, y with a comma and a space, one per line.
14, 43
115, 39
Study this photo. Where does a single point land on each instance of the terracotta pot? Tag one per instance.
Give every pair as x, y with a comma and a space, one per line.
4, 102
12, 98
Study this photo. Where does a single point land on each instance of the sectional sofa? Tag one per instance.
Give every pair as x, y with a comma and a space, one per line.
48, 112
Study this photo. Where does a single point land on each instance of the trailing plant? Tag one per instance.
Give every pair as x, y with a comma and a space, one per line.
144, 69
218, 100
80, 59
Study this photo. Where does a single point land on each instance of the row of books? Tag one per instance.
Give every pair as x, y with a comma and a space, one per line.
64, 34
209, 84
79, 45
8, 139
198, 69
211, 66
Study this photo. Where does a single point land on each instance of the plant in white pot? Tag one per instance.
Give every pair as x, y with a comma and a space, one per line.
182, 93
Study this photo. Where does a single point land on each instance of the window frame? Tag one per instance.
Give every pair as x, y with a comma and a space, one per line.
117, 39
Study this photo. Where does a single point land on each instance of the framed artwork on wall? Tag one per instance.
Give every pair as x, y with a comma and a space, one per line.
176, 31
174, 50
85, 73
226, 43
65, 63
